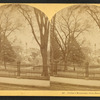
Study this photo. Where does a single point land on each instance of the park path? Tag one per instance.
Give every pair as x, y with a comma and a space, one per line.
54, 86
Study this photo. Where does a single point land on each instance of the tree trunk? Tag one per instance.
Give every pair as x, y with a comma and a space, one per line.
18, 68
74, 68
87, 70
4, 52
0, 44
55, 68
5, 64
51, 61
44, 60
65, 64
0, 49
51, 69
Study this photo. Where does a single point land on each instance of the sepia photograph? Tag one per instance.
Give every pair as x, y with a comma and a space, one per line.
24, 52
38, 52
75, 48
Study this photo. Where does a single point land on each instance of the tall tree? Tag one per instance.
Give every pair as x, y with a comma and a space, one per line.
76, 54
68, 24
7, 52
7, 27
94, 12
55, 52
43, 25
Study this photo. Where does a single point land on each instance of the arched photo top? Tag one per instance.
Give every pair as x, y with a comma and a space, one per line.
75, 36
26, 30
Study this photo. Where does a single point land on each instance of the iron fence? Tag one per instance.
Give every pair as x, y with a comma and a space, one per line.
22, 71
83, 72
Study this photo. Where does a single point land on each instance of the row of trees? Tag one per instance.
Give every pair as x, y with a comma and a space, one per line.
7, 53
63, 34
7, 27
43, 26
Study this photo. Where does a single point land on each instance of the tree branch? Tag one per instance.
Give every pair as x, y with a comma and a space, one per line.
30, 22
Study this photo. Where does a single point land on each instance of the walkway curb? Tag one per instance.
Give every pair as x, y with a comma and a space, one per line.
83, 82
28, 82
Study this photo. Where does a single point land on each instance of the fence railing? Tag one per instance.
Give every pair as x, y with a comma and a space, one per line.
34, 72
22, 71
83, 72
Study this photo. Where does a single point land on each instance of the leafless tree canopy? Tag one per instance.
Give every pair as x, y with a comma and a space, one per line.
43, 25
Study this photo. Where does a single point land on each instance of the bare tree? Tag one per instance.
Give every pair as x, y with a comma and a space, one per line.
66, 26
7, 27
94, 13
43, 25
55, 52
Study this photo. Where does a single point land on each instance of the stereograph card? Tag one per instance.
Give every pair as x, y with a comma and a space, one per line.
50, 49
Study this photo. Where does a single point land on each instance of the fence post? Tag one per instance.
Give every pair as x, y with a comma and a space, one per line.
18, 68
51, 69
55, 67
87, 69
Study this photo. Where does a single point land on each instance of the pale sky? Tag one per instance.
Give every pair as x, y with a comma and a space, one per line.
93, 33
25, 34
